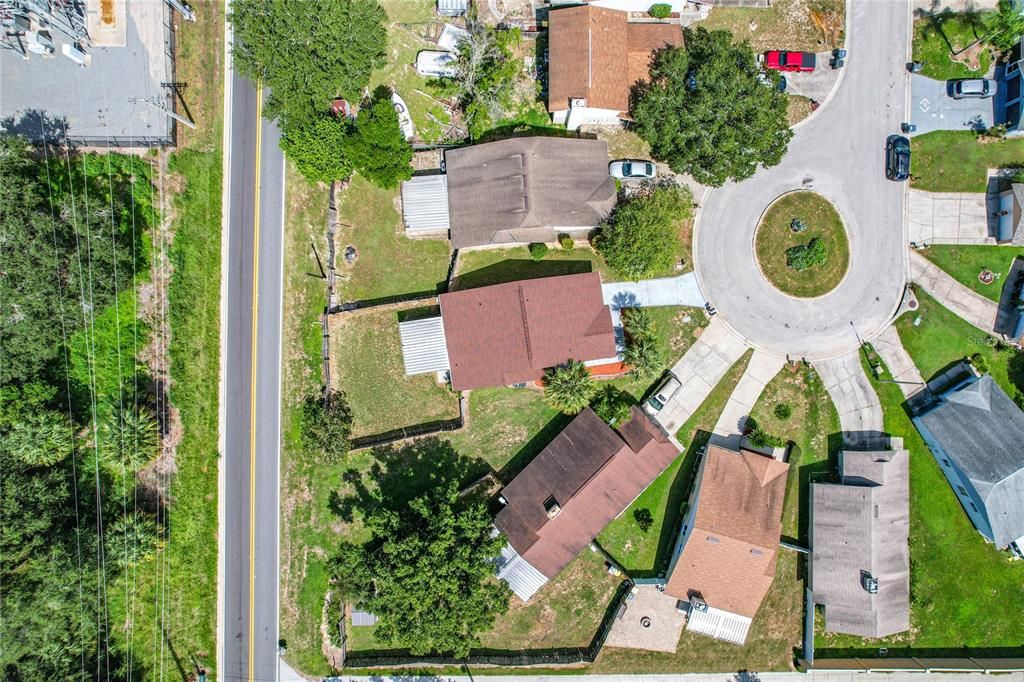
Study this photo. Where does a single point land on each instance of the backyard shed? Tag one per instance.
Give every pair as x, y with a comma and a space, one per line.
425, 205
452, 8
424, 349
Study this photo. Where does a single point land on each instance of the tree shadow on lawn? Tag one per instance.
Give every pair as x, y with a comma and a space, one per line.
400, 474
518, 269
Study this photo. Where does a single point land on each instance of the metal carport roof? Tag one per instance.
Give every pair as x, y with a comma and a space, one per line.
425, 204
424, 347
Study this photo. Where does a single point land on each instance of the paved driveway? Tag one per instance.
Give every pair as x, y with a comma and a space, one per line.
816, 84
948, 217
681, 290
840, 154
932, 109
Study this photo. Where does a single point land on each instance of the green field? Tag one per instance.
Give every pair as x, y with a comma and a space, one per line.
774, 238
964, 263
955, 161
941, 42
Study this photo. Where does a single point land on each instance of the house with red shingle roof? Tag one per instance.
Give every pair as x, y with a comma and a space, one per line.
588, 475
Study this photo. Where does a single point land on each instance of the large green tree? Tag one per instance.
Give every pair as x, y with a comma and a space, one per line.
485, 74
309, 52
376, 146
427, 573
641, 237
708, 112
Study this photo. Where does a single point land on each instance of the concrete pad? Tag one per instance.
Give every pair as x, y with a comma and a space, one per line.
897, 359
666, 291
664, 624
860, 413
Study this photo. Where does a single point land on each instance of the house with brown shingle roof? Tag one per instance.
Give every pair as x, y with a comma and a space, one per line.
596, 55
588, 475
724, 561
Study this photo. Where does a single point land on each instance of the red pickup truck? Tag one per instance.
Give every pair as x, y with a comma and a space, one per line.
785, 60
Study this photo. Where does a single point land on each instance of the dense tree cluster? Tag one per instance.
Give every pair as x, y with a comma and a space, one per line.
427, 574
486, 73
709, 111
307, 65
72, 433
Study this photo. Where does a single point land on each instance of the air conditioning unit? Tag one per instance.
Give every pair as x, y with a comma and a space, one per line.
73, 53
552, 508
698, 604
578, 103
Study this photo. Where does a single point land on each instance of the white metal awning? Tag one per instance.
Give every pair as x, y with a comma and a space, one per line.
425, 204
523, 578
424, 347
719, 624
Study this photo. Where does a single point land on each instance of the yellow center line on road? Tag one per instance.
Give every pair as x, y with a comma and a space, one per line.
252, 384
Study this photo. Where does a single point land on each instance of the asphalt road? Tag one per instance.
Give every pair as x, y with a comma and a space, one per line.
839, 153
252, 375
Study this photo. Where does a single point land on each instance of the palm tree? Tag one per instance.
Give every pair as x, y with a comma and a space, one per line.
41, 438
1005, 25
569, 387
129, 437
132, 538
644, 357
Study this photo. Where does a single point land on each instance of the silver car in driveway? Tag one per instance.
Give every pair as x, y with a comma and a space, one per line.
657, 402
973, 88
632, 168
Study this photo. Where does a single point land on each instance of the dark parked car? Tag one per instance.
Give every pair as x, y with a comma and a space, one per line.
974, 88
897, 158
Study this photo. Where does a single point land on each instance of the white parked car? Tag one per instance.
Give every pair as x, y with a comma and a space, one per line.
632, 168
657, 402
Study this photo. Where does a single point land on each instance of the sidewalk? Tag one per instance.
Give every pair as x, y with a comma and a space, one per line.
860, 413
966, 304
759, 372
699, 371
898, 360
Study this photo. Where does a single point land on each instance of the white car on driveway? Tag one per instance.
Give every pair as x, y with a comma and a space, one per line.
664, 393
632, 168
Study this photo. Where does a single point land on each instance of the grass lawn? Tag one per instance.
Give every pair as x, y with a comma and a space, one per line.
942, 338
366, 356
939, 42
200, 63
964, 263
646, 554
404, 42
785, 25
495, 266
307, 530
388, 262
954, 160
975, 606
774, 238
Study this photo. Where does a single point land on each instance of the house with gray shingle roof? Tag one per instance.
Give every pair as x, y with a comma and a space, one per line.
976, 432
860, 558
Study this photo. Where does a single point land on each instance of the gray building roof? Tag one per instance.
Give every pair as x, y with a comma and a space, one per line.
859, 529
526, 189
981, 429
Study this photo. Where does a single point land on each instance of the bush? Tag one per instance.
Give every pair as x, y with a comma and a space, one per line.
641, 237
317, 148
538, 250
644, 519
612, 405
783, 411
326, 427
566, 241
760, 438
661, 10
808, 255
569, 387
797, 225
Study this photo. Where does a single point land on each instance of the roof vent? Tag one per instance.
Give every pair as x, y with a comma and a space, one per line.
712, 539
756, 552
551, 507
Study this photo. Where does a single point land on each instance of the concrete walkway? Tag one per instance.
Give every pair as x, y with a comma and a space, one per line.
898, 360
759, 372
699, 371
681, 290
860, 413
972, 307
948, 217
